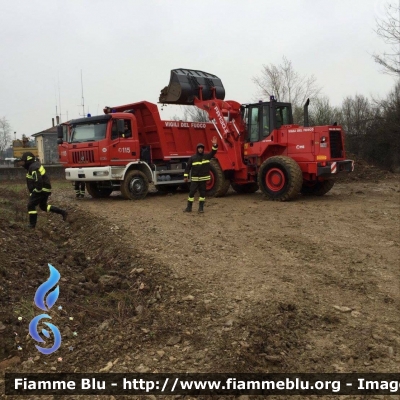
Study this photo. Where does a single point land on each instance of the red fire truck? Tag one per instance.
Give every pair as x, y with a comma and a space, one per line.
130, 147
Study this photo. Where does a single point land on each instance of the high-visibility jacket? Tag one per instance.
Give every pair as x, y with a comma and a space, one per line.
37, 179
199, 164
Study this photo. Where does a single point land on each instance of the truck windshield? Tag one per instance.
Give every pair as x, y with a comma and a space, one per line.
89, 132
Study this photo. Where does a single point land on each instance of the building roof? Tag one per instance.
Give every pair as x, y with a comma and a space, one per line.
48, 131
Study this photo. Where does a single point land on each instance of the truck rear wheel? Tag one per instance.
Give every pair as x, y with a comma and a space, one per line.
318, 188
280, 178
135, 185
251, 187
218, 185
97, 192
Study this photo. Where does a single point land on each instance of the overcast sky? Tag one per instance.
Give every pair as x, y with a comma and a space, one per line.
126, 49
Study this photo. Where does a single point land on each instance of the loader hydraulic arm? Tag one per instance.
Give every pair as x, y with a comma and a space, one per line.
225, 115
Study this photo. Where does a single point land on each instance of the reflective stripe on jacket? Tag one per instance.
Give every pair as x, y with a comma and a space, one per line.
199, 164
37, 179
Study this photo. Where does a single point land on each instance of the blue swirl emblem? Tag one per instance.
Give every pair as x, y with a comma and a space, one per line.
45, 304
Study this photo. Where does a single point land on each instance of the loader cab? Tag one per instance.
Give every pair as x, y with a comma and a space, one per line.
263, 117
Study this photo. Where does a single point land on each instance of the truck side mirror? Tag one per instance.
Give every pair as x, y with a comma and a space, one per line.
60, 141
60, 132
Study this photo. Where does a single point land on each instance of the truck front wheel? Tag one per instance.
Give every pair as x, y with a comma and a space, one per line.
135, 185
280, 178
97, 192
218, 185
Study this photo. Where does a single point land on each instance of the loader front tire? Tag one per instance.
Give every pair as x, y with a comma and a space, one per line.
218, 185
280, 178
318, 188
135, 185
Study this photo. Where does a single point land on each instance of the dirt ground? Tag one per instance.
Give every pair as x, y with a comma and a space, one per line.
311, 285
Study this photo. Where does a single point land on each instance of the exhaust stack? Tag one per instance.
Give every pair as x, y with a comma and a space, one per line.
306, 121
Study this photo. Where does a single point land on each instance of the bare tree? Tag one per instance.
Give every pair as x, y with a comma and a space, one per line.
5, 134
389, 30
322, 113
287, 85
357, 117
381, 143
195, 114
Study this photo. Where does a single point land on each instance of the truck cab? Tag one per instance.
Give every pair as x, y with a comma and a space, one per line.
97, 150
102, 140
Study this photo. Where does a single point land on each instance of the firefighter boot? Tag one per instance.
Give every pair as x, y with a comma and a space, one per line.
59, 211
32, 221
201, 206
64, 215
188, 207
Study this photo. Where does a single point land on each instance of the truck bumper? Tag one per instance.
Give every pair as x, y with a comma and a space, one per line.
334, 168
89, 174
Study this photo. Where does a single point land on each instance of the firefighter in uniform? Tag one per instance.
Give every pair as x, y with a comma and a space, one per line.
199, 164
80, 189
127, 132
39, 188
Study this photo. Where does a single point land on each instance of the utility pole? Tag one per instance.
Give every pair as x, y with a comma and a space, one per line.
59, 97
83, 99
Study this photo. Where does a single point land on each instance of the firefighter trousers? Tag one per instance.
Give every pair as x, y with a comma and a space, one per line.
80, 187
197, 186
40, 199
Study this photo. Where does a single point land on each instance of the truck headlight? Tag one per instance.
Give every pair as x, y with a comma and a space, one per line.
100, 173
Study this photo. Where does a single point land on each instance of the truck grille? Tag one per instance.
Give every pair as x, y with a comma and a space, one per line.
83, 157
335, 140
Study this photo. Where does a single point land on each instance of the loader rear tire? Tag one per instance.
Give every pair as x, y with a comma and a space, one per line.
96, 192
135, 185
218, 185
318, 188
251, 187
280, 178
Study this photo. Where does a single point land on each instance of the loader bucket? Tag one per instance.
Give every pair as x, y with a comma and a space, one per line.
184, 87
